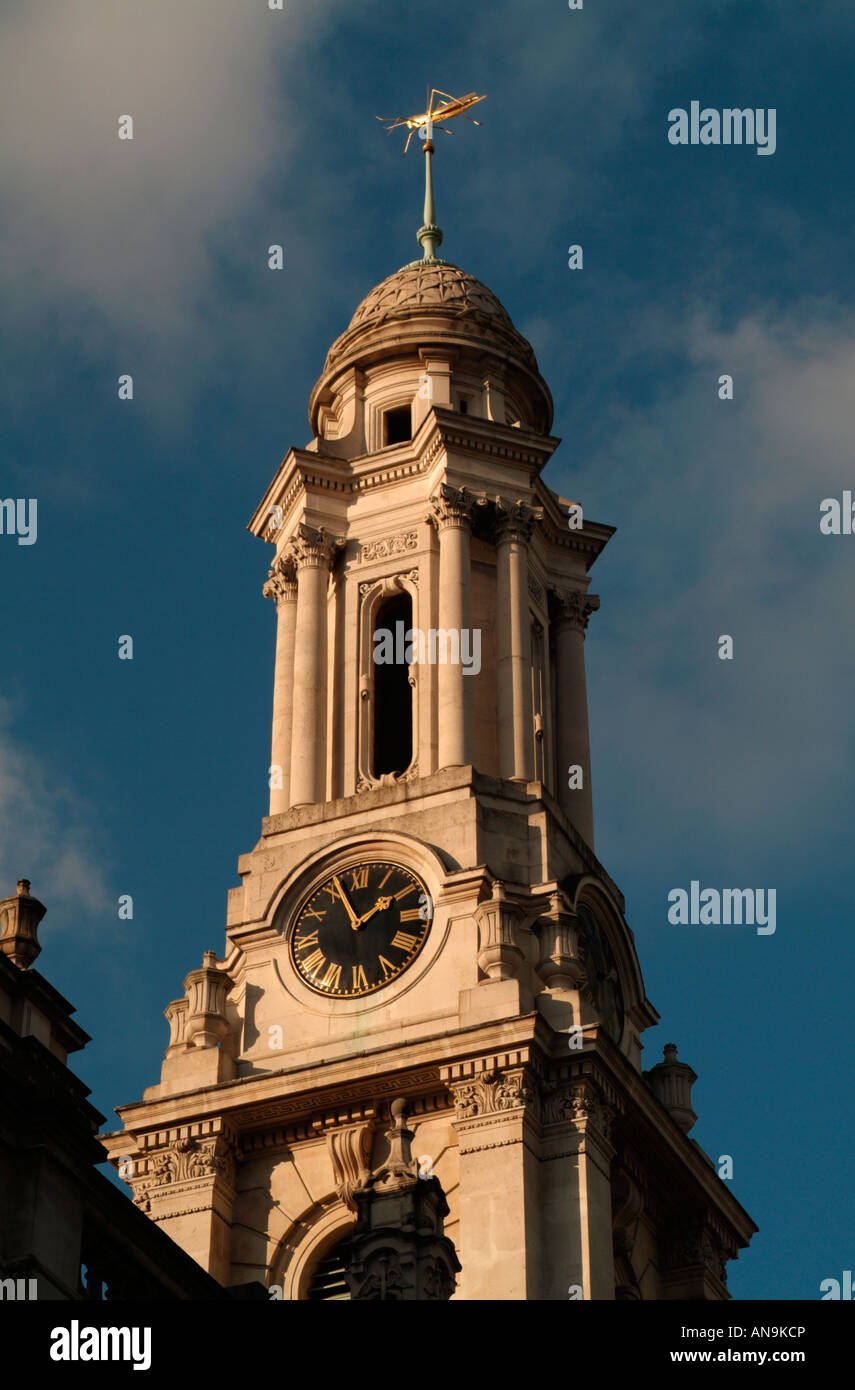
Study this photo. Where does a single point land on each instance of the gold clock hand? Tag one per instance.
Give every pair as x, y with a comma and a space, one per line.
354, 920
380, 906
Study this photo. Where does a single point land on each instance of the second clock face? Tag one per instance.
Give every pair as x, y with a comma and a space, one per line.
360, 929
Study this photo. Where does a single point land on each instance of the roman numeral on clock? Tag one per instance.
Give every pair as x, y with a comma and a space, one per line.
411, 914
359, 877
404, 939
312, 963
386, 966
311, 912
359, 981
410, 888
302, 943
332, 978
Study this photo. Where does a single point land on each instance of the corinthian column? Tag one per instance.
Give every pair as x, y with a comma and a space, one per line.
312, 553
513, 641
452, 516
570, 613
282, 586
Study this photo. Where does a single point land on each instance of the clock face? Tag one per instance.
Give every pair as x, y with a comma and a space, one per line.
360, 929
601, 985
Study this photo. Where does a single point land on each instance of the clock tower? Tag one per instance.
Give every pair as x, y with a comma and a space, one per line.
424, 917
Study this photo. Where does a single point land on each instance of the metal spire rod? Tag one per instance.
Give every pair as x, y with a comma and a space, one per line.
429, 235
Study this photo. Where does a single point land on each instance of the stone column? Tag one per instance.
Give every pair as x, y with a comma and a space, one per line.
499, 1190
312, 553
282, 586
570, 613
513, 642
576, 1203
452, 515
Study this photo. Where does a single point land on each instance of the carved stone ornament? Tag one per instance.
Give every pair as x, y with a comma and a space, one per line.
453, 506
574, 607
580, 1103
281, 582
499, 954
514, 519
691, 1243
492, 1094
398, 1250
313, 547
389, 545
187, 1161
350, 1153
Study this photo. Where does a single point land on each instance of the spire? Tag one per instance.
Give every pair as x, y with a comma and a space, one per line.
441, 106
429, 235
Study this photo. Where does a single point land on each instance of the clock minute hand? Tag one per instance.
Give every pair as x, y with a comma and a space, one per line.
354, 920
380, 906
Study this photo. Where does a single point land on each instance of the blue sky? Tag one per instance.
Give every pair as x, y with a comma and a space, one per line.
255, 127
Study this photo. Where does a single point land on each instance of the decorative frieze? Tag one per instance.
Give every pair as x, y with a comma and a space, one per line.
389, 545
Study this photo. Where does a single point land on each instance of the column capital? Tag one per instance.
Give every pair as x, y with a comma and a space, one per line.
313, 548
573, 606
514, 520
453, 506
281, 582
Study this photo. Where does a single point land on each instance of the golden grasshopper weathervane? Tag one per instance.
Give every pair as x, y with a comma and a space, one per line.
445, 108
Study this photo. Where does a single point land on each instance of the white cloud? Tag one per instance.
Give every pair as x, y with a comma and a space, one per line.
718, 530
47, 835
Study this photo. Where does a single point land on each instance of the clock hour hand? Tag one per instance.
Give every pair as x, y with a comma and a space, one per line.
380, 906
354, 920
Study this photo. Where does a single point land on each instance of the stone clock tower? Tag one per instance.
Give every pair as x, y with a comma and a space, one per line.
424, 917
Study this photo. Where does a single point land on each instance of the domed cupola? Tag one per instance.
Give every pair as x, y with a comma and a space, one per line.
430, 334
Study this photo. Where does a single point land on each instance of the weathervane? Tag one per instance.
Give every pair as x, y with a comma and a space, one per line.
430, 235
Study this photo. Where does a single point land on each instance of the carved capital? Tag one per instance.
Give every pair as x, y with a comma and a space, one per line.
309, 548
514, 520
581, 1103
281, 582
452, 506
492, 1093
690, 1243
573, 607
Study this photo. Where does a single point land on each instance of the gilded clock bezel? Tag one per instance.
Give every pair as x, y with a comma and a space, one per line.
324, 878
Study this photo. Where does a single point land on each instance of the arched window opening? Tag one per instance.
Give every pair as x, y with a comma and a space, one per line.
328, 1284
392, 750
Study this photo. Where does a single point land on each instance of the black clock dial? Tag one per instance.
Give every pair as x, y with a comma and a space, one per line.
360, 929
601, 985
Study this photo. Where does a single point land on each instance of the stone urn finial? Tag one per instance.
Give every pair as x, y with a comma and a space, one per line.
671, 1082
19, 924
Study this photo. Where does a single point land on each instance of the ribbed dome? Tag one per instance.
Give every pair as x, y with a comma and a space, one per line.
432, 305
424, 286
426, 293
